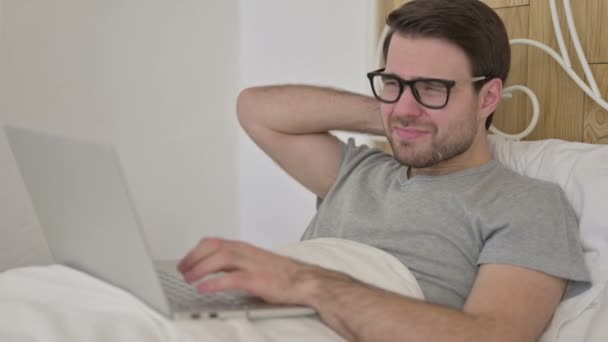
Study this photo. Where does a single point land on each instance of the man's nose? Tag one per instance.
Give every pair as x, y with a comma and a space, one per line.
407, 105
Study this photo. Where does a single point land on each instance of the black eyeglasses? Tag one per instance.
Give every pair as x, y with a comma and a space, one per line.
432, 93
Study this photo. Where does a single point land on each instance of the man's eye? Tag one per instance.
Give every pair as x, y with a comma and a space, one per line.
390, 83
432, 86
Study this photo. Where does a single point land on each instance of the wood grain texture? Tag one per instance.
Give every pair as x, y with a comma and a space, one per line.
591, 19
596, 118
397, 3
385, 7
505, 3
512, 115
561, 101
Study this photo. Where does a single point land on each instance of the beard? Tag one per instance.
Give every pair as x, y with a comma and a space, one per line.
459, 139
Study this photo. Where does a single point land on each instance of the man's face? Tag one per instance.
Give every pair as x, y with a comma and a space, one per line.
421, 137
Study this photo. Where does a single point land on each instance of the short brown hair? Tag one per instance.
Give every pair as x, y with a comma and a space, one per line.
470, 24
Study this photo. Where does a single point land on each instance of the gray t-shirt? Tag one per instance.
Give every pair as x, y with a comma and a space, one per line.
444, 227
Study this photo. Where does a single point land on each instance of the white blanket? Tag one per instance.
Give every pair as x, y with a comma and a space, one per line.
59, 304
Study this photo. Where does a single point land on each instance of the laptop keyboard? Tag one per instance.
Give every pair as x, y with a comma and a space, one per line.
183, 296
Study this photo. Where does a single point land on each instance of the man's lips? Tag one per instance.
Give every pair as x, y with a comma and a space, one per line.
408, 133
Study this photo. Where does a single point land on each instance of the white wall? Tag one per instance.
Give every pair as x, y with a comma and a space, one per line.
315, 42
157, 78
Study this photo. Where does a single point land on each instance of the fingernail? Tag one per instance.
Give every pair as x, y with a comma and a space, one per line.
188, 278
180, 263
203, 287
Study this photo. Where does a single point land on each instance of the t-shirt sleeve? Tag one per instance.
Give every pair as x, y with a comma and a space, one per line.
352, 156
537, 229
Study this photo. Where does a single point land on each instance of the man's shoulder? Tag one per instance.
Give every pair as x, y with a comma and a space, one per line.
514, 185
363, 158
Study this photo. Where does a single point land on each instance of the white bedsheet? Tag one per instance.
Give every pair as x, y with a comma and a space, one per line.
59, 304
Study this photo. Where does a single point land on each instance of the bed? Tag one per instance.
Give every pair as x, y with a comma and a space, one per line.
56, 303
557, 130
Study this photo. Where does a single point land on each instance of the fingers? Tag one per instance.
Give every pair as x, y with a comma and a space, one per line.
226, 259
217, 255
204, 248
230, 281
245, 267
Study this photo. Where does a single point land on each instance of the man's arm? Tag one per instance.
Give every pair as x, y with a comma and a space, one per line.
292, 123
507, 303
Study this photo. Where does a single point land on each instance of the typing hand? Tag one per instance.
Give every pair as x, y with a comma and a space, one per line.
272, 277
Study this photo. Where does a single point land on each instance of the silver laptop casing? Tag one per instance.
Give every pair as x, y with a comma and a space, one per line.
80, 196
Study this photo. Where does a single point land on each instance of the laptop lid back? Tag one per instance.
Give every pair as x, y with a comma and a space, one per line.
82, 203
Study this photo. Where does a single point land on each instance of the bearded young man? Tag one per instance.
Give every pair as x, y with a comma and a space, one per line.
491, 250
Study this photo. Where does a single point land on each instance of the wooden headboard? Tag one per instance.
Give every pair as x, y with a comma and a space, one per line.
566, 112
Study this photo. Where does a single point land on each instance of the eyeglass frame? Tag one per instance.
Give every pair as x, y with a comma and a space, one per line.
449, 84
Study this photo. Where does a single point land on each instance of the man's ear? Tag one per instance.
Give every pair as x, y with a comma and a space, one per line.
490, 96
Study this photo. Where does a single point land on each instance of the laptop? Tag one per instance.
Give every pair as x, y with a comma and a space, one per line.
80, 197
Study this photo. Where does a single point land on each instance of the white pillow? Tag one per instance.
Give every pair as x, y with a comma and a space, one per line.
582, 172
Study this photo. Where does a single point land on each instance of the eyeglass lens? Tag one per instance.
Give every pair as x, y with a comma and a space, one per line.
428, 92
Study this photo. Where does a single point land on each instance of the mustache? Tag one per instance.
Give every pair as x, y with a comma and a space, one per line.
411, 122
